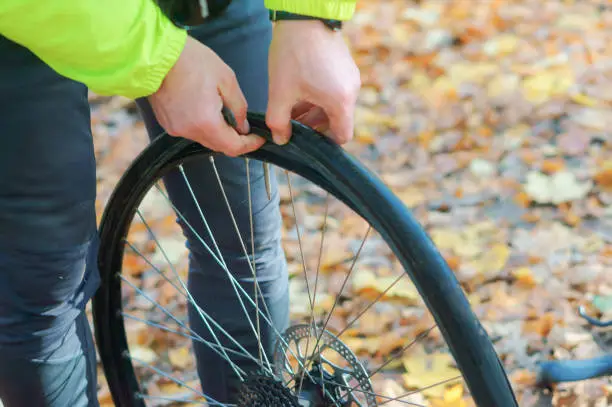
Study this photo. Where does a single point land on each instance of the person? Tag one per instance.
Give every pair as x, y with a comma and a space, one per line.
51, 53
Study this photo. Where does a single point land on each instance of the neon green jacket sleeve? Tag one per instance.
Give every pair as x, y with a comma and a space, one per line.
331, 9
115, 47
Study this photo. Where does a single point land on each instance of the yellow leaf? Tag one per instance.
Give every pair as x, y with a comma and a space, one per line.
541, 87
524, 276
358, 345
412, 197
454, 393
402, 288
501, 45
584, 100
444, 85
428, 369
465, 244
453, 397
420, 81
364, 135
180, 357
370, 117
503, 84
492, 261
168, 389
147, 355
446, 238
476, 73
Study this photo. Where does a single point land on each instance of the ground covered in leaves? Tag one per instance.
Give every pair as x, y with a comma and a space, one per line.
491, 120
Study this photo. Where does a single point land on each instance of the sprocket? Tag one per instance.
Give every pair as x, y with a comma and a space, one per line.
265, 391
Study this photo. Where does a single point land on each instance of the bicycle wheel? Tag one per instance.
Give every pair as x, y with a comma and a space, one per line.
337, 380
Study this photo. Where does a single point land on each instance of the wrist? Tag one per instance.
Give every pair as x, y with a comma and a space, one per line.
283, 16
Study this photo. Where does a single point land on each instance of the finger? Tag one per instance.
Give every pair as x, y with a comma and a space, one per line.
214, 129
234, 100
278, 116
243, 144
341, 124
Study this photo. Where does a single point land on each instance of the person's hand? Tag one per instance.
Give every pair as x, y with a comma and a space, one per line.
313, 79
189, 102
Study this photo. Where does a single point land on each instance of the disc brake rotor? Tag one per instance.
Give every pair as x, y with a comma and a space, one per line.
344, 386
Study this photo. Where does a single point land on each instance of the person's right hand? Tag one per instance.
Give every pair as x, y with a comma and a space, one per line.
189, 102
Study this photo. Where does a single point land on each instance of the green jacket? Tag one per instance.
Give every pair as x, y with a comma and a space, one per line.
117, 47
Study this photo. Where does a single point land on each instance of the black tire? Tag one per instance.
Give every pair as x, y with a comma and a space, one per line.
313, 157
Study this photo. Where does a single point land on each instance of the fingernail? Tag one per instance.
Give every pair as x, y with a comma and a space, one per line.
278, 139
246, 128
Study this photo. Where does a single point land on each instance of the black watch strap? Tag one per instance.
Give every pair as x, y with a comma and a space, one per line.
334, 25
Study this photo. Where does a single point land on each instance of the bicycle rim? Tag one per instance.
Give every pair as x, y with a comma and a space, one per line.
318, 160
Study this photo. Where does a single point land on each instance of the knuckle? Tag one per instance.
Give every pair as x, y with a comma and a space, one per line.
206, 123
229, 78
179, 129
346, 95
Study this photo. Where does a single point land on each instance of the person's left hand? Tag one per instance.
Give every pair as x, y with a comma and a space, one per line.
313, 79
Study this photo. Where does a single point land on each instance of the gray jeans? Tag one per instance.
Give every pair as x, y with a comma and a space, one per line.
48, 239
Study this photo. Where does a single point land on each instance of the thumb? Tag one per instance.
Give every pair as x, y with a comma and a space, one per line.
278, 117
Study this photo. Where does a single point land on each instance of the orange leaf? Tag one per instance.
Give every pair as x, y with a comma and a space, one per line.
604, 178
572, 219
453, 262
522, 199
552, 166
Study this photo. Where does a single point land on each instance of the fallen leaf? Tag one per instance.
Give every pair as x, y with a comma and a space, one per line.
180, 357
402, 288
147, 355
524, 276
428, 369
560, 187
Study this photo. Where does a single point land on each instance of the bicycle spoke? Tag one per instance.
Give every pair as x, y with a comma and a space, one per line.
254, 264
279, 336
221, 255
350, 324
197, 204
329, 315
310, 300
235, 284
398, 398
179, 382
314, 296
186, 336
401, 351
389, 399
190, 297
155, 268
224, 355
199, 309
398, 353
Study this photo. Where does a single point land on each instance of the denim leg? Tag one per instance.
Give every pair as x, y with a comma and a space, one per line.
47, 235
241, 38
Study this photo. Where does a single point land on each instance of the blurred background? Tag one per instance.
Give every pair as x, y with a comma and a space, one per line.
491, 120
